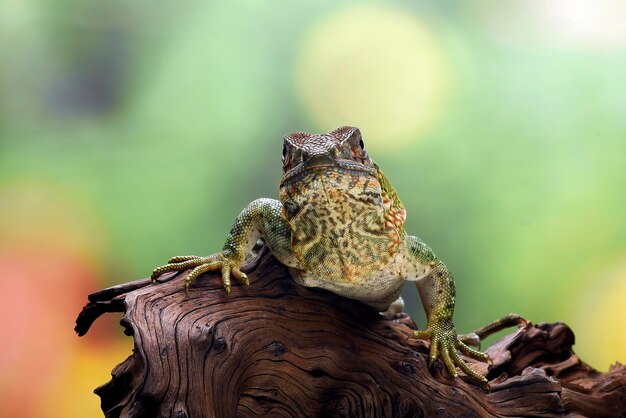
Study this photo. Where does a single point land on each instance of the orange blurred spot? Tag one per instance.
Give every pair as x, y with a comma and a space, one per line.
48, 265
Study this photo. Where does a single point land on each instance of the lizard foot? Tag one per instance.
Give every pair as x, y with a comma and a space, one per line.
444, 343
216, 262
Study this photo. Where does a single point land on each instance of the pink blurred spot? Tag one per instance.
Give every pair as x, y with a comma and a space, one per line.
42, 292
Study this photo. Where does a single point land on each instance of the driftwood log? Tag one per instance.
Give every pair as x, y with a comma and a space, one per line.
279, 349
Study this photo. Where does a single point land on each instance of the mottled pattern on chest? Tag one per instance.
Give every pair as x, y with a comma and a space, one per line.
339, 229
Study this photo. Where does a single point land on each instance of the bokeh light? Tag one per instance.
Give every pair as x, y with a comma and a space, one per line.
50, 245
578, 24
134, 131
377, 68
88, 367
601, 318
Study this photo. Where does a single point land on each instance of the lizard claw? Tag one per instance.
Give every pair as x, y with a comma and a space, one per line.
181, 258
175, 266
243, 277
444, 344
221, 262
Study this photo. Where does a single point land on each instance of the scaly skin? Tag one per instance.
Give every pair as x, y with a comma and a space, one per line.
339, 225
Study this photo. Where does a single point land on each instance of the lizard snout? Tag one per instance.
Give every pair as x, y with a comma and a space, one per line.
318, 160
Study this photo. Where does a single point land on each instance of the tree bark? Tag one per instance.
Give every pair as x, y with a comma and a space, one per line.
279, 349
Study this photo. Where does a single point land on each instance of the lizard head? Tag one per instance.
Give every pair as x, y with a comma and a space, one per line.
341, 148
345, 217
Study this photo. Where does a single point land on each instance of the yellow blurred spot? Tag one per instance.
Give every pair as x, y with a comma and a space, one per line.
89, 367
600, 335
40, 214
376, 68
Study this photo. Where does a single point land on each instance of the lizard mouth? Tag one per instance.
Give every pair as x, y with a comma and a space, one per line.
324, 165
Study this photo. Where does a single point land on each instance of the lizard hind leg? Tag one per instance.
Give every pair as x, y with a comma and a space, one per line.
474, 338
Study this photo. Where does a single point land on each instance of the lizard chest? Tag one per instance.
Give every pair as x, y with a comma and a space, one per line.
339, 233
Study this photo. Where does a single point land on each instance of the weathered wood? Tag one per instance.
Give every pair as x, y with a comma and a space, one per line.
279, 349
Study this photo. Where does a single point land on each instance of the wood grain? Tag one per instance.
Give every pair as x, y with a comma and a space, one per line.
278, 349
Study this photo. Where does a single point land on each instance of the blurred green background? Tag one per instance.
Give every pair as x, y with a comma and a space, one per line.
131, 131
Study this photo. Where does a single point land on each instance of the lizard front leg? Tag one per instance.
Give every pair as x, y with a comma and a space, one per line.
437, 292
252, 223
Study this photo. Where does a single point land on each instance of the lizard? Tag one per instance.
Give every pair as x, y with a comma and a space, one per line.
339, 225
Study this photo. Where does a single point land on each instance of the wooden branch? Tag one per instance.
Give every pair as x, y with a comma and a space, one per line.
279, 349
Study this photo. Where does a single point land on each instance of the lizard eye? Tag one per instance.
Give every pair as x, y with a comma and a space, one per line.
362, 144
284, 153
